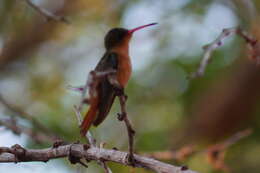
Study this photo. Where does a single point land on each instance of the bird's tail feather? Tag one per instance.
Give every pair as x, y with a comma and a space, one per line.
89, 117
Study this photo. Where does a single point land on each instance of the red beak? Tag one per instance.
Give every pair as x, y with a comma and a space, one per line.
140, 27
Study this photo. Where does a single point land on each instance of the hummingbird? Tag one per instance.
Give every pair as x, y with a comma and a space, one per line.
115, 58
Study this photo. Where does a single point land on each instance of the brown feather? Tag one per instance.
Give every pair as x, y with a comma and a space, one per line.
89, 117
106, 99
106, 94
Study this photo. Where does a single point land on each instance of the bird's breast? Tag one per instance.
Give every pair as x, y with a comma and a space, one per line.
124, 70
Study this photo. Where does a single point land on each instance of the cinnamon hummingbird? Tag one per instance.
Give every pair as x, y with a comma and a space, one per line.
115, 58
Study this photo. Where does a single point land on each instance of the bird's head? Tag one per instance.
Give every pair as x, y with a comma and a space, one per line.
118, 36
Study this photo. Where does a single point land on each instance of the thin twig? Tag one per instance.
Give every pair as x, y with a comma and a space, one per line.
123, 117
103, 163
22, 114
47, 14
106, 168
234, 138
208, 49
36, 136
179, 155
17, 154
89, 137
187, 151
216, 153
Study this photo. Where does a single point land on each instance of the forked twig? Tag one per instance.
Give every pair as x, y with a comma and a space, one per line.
234, 138
216, 153
252, 43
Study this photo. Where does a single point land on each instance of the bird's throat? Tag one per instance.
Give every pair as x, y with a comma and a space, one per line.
122, 48
124, 64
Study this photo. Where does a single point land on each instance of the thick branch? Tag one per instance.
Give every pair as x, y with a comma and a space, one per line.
19, 154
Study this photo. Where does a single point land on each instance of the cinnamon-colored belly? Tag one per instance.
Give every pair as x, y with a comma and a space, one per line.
124, 70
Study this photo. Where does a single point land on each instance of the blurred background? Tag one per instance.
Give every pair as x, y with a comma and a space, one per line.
39, 59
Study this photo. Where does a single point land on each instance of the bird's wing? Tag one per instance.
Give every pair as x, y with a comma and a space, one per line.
101, 105
106, 90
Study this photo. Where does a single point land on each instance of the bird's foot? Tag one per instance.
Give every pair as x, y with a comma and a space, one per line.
74, 157
121, 116
120, 92
58, 143
130, 159
19, 153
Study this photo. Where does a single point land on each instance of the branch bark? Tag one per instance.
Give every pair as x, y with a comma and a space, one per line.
18, 154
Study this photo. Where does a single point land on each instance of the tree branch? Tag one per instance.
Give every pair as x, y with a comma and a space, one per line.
38, 137
46, 14
18, 154
45, 134
252, 43
178, 155
130, 131
215, 153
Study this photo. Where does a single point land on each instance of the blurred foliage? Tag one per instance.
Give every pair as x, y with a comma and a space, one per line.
38, 59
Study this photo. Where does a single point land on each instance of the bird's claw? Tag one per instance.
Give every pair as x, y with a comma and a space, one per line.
19, 153
58, 143
121, 116
74, 158
120, 92
130, 159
